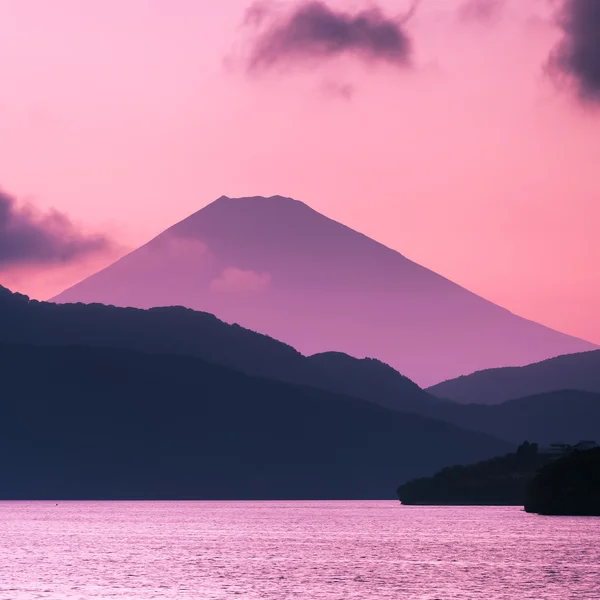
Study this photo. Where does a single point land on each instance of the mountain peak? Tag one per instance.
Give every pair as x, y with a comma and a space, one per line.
276, 197
259, 203
228, 211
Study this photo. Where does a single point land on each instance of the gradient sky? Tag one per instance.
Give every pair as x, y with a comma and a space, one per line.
128, 115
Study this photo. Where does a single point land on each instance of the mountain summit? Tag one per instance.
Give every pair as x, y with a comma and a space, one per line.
279, 267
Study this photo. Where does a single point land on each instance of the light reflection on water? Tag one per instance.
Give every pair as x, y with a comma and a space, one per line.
292, 550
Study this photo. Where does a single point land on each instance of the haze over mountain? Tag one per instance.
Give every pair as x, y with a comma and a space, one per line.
580, 371
566, 416
108, 423
276, 266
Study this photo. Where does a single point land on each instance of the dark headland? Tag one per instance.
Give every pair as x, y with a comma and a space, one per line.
541, 480
500, 481
569, 486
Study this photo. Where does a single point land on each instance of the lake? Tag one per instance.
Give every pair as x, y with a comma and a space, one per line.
292, 550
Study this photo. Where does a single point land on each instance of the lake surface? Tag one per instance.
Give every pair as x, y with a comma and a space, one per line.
292, 550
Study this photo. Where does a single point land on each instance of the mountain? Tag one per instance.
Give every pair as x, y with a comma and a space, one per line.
107, 423
177, 330
566, 416
276, 266
580, 371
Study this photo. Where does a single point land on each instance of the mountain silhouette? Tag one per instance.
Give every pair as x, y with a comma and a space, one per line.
107, 423
276, 266
178, 330
564, 416
580, 371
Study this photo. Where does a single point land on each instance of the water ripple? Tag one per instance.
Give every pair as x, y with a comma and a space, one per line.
292, 550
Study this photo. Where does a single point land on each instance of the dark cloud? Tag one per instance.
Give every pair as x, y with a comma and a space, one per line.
577, 56
483, 11
313, 31
27, 238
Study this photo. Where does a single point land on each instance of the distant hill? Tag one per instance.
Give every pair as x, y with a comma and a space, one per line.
566, 416
276, 266
579, 371
501, 481
107, 423
568, 486
177, 330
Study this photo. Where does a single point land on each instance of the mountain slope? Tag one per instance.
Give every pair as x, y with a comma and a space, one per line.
178, 330
105, 423
373, 380
579, 371
275, 265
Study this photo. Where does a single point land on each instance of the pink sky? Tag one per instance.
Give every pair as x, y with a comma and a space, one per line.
125, 116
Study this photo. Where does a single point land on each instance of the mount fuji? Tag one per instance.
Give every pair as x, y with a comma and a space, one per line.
277, 266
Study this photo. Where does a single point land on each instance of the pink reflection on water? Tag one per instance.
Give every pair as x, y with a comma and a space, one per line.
284, 550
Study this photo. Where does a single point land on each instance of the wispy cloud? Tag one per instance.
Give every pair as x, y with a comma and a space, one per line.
237, 280
336, 89
481, 11
577, 55
30, 238
315, 32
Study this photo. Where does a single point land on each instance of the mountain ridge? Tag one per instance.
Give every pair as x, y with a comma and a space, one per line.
183, 331
564, 416
577, 371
